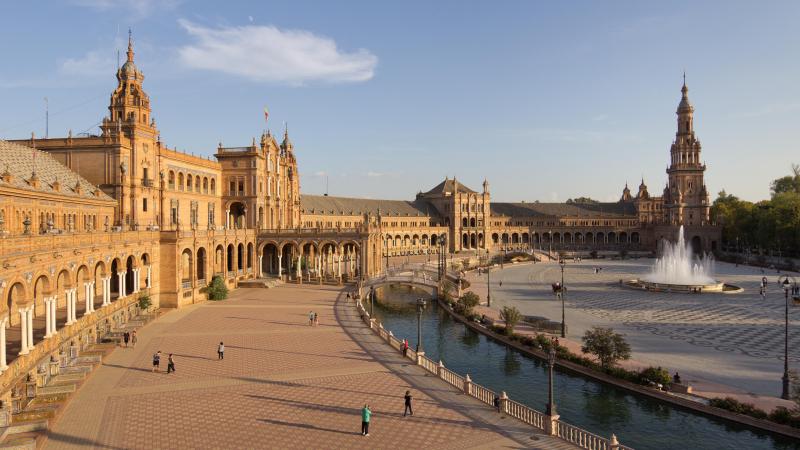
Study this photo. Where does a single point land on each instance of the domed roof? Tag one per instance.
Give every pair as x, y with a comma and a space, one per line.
685, 105
129, 69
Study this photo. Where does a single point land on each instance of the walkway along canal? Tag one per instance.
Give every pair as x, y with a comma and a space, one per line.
638, 421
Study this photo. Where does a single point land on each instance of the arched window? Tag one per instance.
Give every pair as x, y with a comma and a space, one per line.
213, 186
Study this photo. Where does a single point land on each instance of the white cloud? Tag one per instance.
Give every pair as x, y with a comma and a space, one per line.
91, 64
375, 174
269, 54
139, 8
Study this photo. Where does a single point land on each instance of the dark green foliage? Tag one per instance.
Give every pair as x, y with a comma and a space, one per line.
217, 289
511, 316
733, 405
144, 302
608, 346
656, 375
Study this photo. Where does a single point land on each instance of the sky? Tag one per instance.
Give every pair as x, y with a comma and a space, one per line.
545, 100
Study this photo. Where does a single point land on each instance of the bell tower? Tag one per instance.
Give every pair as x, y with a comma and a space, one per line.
686, 200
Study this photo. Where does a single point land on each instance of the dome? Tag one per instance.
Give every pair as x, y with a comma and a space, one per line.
129, 70
685, 105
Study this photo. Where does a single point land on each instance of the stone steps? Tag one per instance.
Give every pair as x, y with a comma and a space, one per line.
24, 437
75, 369
56, 389
68, 378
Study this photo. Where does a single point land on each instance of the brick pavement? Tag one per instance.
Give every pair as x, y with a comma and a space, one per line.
282, 384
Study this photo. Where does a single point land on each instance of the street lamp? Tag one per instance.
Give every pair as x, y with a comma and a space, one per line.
787, 286
371, 302
551, 362
563, 290
488, 280
420, 309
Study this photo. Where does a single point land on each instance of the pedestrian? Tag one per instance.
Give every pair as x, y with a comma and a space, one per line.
763, 293
316, 319
405, 348
170, 364
408, 404
156, 360
310, 318
221, 351
126, 336
348, 297
365, 416
133, 339
497, 403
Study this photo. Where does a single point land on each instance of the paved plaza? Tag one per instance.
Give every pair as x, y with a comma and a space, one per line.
282, 384
733, 339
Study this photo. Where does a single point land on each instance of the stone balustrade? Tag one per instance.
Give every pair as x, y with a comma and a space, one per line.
70, 242
549, 424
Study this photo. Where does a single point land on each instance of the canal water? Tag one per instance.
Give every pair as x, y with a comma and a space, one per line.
638, 421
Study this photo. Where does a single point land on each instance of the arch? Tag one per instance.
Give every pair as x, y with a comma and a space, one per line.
600, 238
589, 238
557, 237
472, 222
505, 238
269, 261
250, 255
197, 184
238, 215
219, 260
465, 240
515, 238
171, 179
697, 245
186, 267
623, 237
464, 222
240, 256
536, 238
424, 239
201, 265
612, 237
495, 238
130, 264
213, 186
525, 238
17, 295
415, 240
180, 181
635, 237
579, 237
473, 240
188, 182
434, 240
567, 238
481, 243
229, 254
205, 185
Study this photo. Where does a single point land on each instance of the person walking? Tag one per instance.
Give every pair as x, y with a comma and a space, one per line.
366, 414
170, 364
133, 339
405, 348
156, 360
316, 319
126, 336
221, 351
408, 404
311, 318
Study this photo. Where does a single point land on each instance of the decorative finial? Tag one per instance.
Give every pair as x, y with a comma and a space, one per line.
684, 78
130, 45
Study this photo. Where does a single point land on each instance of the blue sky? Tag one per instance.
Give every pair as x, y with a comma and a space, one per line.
547, 100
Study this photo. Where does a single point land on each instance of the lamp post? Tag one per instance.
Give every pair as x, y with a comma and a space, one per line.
551, 362
488, 280
371, 302
550, 241
787, 286
420, 309
563, 290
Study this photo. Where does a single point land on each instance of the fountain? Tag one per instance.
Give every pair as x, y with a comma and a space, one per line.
679, 270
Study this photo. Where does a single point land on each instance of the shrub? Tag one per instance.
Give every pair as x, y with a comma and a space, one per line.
144, 302
468, 301
656, 375
511, 316
608, 346
733, 405
217, 289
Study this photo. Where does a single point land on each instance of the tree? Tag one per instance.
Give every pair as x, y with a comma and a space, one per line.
583, 201
468, 301
608, 346
217, 289
511, 316
789, 183
144, 302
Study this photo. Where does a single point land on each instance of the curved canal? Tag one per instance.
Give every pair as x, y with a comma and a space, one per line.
638, 421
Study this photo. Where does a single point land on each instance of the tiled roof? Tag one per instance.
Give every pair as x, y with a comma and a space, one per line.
322, 204
18, 160
450, 186
616, 209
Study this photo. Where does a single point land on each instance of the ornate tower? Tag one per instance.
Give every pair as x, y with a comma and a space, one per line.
686, 199
131, 134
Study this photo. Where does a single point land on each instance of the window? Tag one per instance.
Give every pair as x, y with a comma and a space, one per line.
233, 187
144, 204
241, 187
144, 174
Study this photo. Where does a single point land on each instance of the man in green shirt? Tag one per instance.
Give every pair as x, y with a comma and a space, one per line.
366, 413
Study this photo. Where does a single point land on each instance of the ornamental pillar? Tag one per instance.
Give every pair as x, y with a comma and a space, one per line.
121, 284
30, 327
148, 282
23, 326
280, 267
260, 260
87, 292
48, 311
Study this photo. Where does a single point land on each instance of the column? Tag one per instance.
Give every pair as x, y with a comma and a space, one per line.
258, 270
149, 274
3, 365
121, 284
30, 327
54, 326
48, 311
299, 270
23, 325
106, 291
88, 295
70, 306
280, 275
227, 219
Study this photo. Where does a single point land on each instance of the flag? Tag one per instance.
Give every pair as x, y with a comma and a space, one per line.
266, 114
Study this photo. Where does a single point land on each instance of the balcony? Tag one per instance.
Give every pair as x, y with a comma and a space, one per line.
147, 182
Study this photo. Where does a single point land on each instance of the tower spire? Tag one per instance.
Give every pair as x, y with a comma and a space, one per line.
130, 45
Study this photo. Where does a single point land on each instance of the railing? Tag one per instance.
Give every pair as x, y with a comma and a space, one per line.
186, 284
581, 438
201, 282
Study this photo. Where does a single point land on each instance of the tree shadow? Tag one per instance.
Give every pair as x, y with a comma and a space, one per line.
307, 426
75, 440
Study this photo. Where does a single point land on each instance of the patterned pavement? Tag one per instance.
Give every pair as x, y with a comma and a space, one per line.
282, 384
735, 339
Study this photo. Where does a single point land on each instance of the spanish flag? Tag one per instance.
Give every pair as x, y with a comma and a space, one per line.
266, 114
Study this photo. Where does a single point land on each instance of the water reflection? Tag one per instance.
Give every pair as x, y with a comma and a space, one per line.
638, 421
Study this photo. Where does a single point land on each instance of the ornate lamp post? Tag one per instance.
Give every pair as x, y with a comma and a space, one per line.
563, 290
787, 286
551, 362
488, 280
420, 309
